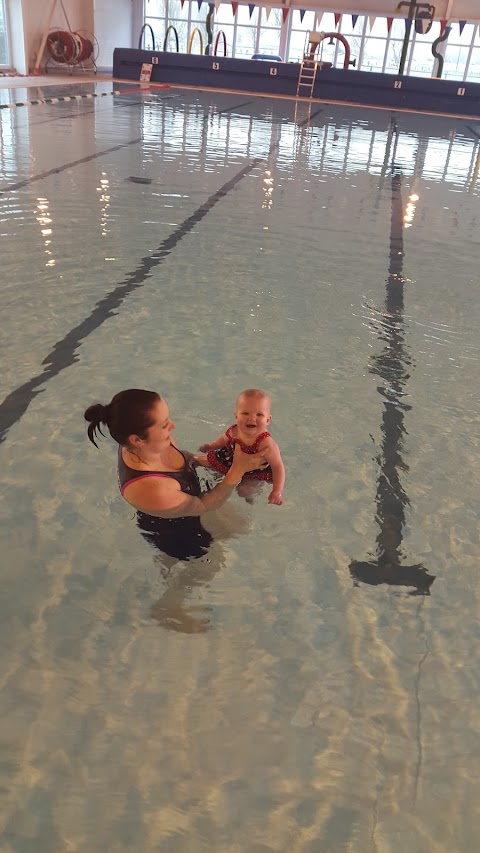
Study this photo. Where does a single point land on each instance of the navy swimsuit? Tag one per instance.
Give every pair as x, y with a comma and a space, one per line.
183, 538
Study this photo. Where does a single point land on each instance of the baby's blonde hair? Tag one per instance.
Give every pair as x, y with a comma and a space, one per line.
254, 392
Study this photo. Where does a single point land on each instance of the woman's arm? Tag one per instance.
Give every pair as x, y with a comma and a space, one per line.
162, 496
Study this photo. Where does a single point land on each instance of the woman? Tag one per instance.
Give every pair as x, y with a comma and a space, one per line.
157, 478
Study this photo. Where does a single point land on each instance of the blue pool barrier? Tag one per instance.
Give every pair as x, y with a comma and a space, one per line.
363, 88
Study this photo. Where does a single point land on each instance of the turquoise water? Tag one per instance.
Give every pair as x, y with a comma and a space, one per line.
314, 685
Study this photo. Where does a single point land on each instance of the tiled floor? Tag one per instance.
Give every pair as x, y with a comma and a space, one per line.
13, 82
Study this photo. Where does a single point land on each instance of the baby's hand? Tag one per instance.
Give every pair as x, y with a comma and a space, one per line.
204, 448
275, 497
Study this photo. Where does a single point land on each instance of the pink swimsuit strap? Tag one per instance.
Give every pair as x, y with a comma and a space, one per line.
142, 477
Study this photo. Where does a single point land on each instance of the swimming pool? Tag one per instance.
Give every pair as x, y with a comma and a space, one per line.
276, 697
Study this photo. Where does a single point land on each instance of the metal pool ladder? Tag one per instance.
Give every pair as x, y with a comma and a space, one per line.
307, 77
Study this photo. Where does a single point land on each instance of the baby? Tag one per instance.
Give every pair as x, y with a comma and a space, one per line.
252, 416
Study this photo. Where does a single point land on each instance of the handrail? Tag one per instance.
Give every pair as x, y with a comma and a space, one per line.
195, 30
145, 27
221, 33
165, 40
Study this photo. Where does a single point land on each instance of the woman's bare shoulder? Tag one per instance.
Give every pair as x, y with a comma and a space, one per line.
154, 491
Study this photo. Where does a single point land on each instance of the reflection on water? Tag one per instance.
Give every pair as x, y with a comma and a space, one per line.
183, 577
253, 700
171, 611
392, 365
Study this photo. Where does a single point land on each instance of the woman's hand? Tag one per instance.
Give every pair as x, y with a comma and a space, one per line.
204, 448
244, 462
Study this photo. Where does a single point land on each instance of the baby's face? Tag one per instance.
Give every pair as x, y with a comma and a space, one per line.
252, 415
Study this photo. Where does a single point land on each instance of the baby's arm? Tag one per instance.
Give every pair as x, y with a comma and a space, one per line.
271, 451
219, 442
202, 458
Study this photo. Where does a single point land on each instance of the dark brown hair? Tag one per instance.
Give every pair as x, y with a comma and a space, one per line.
128, 413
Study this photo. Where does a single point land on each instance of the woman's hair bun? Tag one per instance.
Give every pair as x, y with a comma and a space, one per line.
95, 413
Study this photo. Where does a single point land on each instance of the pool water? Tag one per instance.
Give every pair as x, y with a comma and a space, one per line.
313, 684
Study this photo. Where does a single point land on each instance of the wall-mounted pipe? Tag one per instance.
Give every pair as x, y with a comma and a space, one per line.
208, 27
437, 54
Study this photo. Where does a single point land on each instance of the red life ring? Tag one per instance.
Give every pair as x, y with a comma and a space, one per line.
85, 48
62, 46
68, 48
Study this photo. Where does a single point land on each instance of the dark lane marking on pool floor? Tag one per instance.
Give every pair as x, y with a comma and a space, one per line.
211, 116
63, 353
59, 169
235, 107
472, 130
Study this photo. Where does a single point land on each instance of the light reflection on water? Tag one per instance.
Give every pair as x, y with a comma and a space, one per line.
289, 692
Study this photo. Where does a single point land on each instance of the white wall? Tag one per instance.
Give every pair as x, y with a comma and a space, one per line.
113, 27
35, 21
109, 20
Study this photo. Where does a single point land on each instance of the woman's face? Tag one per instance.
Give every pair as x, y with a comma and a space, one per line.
158, 434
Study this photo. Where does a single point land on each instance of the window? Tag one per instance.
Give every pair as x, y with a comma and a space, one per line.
269, 32
473, 70
457, 51
395, 46
298, 34
422, 60
246, 39
160, 16
224, 21
354, 36
372, 46
375, 43
4, 52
